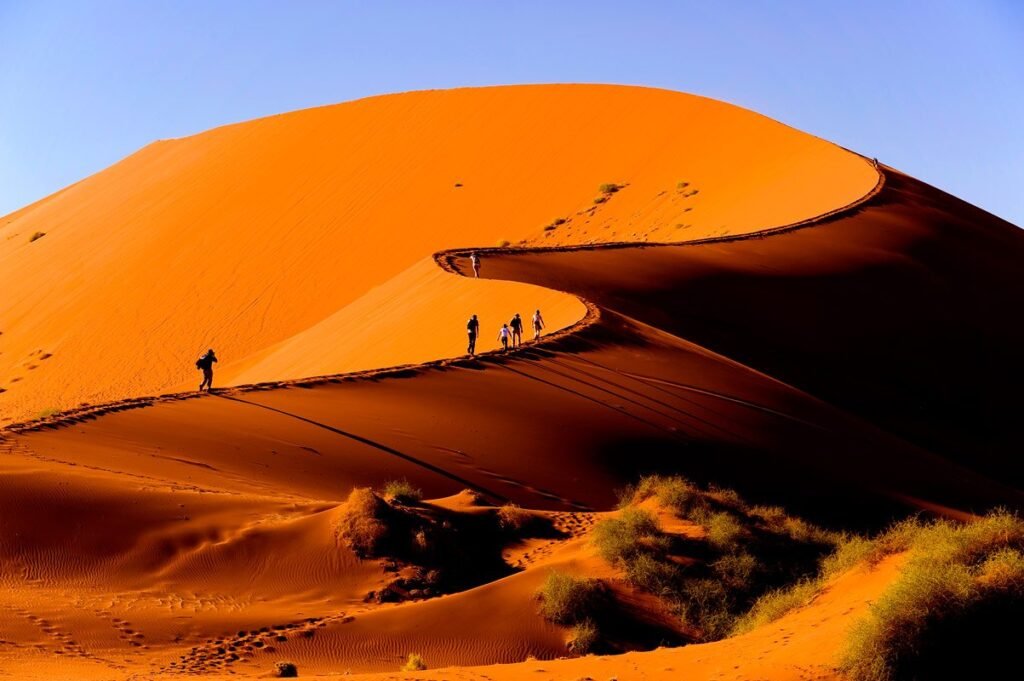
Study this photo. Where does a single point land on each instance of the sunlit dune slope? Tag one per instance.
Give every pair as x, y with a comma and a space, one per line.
247, 236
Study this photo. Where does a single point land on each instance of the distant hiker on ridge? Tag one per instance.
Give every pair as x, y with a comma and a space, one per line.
517, 330
503, 336
538, 324
474, 259
206, 364
473, 328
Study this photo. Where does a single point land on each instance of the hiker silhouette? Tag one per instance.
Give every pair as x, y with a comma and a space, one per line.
473, 329
205, 363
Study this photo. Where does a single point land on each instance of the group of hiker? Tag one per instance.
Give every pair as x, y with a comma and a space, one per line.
510, 335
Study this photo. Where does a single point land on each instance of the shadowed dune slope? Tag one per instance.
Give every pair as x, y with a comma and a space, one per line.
247, 236
899, 312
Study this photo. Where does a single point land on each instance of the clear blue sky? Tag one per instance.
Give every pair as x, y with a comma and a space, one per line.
934, 88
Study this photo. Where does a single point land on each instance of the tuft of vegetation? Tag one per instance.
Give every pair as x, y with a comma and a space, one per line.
361, 525
414, 663
401, 492
746, 552
36, 237
680, 186
458, 184
503, 243
583, 637
724, 531
961, 590
286, 670
514, 518
565, 599
600, 199
633, 533
609, 188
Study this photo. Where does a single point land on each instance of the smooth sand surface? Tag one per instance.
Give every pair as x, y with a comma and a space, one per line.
854, 369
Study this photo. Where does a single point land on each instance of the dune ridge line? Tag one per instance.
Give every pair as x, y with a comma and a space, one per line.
446, 261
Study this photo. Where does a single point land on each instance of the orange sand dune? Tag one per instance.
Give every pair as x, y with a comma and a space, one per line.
247, 236
854, 367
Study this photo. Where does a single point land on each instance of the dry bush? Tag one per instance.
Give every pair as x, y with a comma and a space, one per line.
622, 539
414, 663
565, 599
609, 188
401, 492
962, 586
583, 637
36, 236
514, 518
361, 525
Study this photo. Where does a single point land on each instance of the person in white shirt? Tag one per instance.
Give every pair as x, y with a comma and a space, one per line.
504, 335
538, 324
475, 260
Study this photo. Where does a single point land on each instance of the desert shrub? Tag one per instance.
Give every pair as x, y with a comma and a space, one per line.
962, 587
36, 236
746, 552
502, 243
401, 492
609, 188
549, 228
682, 185
623, 538
737, 570
707, 605
600, 199
654, 575
514, 518
285, 670
583, 637
47, 413
361, 524
723, 530
414, 663
565, 599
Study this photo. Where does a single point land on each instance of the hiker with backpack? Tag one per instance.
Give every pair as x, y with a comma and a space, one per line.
473, 329
205, 363
517, 330
504, 336
538, 324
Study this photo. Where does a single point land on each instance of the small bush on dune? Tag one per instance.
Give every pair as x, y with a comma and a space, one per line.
623, 538
724, 531
502, 243
600, 199
609, 188
285, 670
361, 525
583, 637
565, 599
414, 663
401, 492
737, 570
514, 518
36, 237
655, 576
